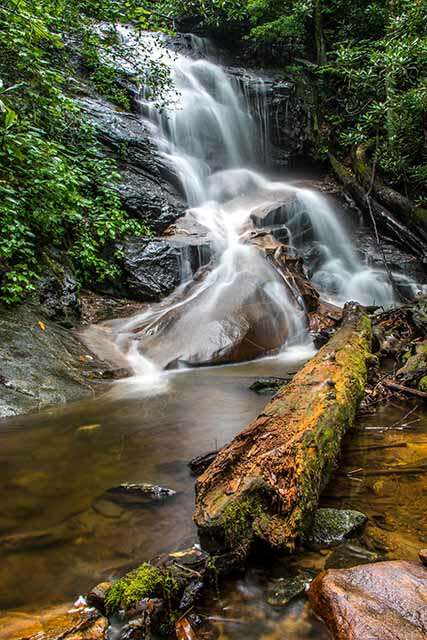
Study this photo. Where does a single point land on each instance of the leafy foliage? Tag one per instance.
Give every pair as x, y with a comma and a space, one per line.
56, 191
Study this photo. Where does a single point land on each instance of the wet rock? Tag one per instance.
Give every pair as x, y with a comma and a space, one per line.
144, 190
270, 385
135, 629
41, 362
198, 464
154, 268
19, 542
274, 214
332, 526
384, 600
283, 590
96, 596
423, 556
134, 493
350, 554
287, 111
58, 291
107, 508
58, 623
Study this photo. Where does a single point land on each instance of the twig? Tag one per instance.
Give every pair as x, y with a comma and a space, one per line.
400, 387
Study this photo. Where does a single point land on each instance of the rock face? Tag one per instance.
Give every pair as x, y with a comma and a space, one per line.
144, 189
41, 362
154, 268
384, 601
282, 103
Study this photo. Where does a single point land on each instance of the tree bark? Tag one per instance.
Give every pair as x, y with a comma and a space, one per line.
265, 485
414, 243
319, 35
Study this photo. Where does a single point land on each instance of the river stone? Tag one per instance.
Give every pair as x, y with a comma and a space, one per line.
134, 493
384, 601
350, 554
96, 596
283, 590
332, 526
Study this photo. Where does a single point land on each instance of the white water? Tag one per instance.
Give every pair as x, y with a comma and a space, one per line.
214, 138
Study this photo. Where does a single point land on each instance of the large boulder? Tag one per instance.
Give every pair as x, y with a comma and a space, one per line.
153, 268
384, 601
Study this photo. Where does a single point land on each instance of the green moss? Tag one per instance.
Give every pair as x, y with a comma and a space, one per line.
238, 517
422, 385
145, 582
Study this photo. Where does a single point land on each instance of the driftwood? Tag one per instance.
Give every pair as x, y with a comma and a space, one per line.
265, 485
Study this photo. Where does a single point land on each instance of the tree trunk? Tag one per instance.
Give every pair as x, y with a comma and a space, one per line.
319, 35
265, 485
414, 243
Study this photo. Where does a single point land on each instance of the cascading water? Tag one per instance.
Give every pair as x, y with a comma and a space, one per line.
212, 139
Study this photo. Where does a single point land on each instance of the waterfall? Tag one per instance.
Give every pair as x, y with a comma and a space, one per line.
214, 138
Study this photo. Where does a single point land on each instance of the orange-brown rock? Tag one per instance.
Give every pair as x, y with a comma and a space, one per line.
381, 601
57, 623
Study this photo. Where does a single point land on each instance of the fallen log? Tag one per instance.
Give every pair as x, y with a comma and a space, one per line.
265, 485
405, 237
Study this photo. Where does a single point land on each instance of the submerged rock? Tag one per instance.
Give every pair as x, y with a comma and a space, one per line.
134, 493
286, 589
332, 526
385, 600
350, 554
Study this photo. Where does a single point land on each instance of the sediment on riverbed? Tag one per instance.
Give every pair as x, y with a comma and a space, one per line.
265, 485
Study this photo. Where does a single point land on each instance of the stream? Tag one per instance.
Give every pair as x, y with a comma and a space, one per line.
59, 533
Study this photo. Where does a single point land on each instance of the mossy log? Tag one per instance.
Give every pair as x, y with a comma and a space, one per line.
265, 485
414, 241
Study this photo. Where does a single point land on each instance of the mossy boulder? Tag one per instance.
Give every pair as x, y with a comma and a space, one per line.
332, 526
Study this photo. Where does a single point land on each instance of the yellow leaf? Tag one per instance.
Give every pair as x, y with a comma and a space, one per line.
88, 427
41, 325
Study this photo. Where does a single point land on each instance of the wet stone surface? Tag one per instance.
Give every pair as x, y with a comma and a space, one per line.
332, 526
